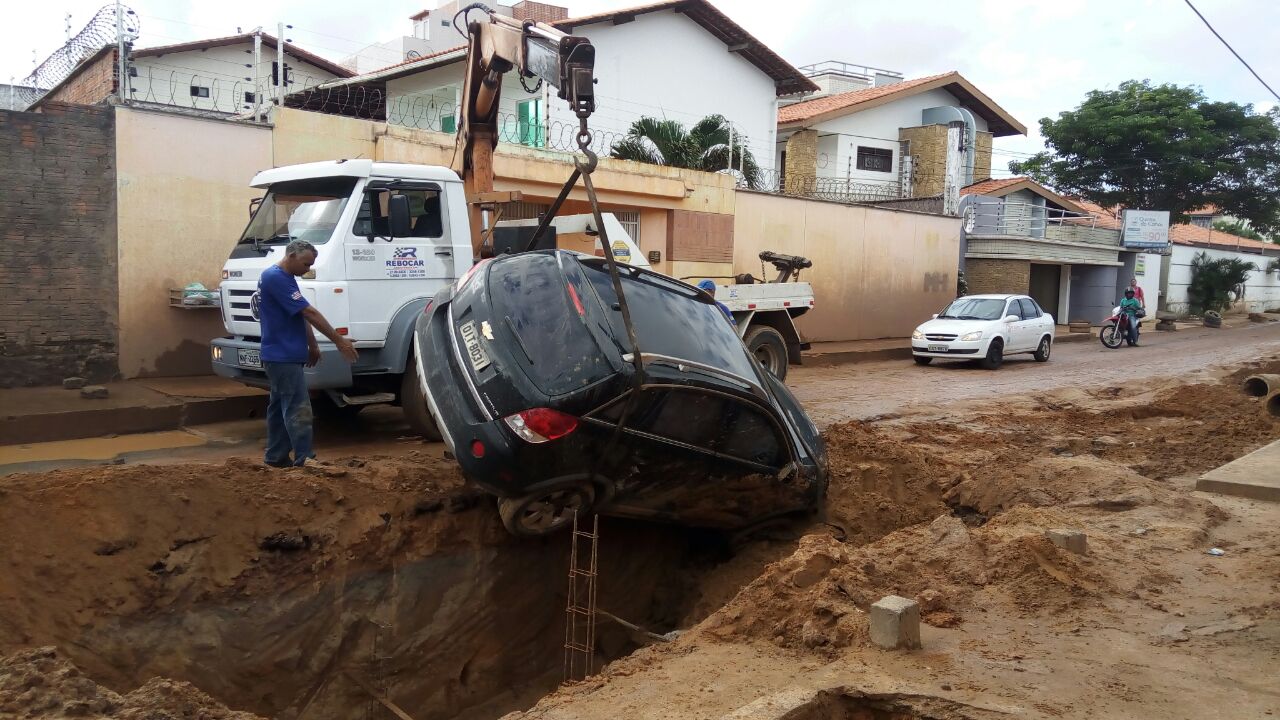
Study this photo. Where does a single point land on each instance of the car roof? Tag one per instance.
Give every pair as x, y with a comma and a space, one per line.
990, 296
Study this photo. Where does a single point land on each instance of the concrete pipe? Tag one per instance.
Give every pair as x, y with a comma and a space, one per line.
1273, 404
1261, 385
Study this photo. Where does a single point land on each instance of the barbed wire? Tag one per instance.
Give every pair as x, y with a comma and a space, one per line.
98, 33
187, 87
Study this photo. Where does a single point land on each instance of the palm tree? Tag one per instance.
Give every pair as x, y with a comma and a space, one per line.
704, 147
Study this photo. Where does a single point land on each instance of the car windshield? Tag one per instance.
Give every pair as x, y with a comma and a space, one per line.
671, 319
974, 309
299, 210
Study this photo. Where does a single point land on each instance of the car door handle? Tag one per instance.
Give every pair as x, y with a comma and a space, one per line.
444, 252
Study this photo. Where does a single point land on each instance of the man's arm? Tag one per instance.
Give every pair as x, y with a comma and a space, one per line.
313, 316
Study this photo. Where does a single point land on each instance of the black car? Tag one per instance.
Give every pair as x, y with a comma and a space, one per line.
528, 372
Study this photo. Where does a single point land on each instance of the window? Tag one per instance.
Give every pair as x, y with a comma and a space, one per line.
425, 219
974, 309
250, 97
298, 210
199, 91
448, 124
1029, 309
630, 221
875, 159
529, 124
750, 435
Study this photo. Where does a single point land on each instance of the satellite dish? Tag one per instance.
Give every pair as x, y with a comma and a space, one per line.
411, 54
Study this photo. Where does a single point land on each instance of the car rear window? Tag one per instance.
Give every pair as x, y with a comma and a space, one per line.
532, 300
671, 320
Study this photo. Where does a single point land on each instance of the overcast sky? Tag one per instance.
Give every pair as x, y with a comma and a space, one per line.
1033, 57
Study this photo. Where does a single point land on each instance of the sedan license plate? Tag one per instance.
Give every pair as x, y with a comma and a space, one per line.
249, 358
479, 358
937, 348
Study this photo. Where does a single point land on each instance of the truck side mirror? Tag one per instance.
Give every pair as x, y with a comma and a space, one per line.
398, 215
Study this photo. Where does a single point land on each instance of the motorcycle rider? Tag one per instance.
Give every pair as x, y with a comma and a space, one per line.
1129, 307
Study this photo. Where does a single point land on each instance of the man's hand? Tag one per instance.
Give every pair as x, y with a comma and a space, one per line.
347, 349
313, 354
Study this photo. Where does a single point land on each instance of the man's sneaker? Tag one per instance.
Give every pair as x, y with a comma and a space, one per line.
279, 463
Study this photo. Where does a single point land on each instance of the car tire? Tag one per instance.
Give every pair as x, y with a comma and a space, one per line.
1042, 352
546, 511
768, 346
414, 404
921, 360
995, 355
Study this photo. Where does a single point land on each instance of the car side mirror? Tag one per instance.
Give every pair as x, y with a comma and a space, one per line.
398, 215
935, 316
1012, 318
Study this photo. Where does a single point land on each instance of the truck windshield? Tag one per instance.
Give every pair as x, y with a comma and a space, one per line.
299, 210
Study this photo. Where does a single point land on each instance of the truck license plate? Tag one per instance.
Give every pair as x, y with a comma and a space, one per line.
249, 358
479, 359
937, 348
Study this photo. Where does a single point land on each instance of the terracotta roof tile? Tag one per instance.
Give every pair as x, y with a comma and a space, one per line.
990, 185
268, 40
1181, 233
802, 111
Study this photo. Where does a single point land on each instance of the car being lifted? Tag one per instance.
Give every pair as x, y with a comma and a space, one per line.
527, 368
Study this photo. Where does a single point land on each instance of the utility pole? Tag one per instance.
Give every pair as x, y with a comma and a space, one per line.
13, 92
730, 147
121, 79
258, 83
280, 65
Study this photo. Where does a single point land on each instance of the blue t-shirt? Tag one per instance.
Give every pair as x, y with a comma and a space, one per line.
280, 306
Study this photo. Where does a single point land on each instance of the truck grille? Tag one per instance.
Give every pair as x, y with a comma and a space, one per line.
940, 338
239, 305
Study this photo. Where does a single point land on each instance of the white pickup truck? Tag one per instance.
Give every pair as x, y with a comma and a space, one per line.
372, 283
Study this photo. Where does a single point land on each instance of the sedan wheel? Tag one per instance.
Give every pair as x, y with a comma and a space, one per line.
995, 355
1042, 352
921, 360
547, 511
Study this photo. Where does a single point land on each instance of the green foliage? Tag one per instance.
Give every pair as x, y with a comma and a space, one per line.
1164, 147
1273, 266
1238, 227
704, 147
1212, 281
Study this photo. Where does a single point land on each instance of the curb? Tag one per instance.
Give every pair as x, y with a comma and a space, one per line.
96, 422
848, 357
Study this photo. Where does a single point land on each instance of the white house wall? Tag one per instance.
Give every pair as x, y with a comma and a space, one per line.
878, 127
1262, 289
167, 79
420, 100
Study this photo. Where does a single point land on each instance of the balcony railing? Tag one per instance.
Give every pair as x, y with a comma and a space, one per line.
1027, 220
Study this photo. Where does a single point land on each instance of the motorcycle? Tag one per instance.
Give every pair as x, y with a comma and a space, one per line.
1116, 330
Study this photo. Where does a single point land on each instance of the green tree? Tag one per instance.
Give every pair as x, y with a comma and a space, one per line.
1238, 227
703, 147
1164, 147
1212, 281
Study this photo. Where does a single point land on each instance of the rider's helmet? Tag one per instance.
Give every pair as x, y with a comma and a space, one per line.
1128, 292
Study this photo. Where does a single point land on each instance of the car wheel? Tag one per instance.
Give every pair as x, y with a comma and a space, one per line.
921, 360
769, 348
995, 355
414, 404
1042, 352
546, 511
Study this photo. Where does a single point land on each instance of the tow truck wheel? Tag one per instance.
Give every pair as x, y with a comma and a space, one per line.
769, 348
414, 404
546, 511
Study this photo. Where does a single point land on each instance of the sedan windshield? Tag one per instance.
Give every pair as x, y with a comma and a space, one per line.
299, 210
974, 309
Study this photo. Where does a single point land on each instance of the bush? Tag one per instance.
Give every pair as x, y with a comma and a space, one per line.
1213, 280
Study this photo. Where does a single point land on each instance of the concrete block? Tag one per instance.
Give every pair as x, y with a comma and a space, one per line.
895, 623
93, 392
1072, 540
74, 383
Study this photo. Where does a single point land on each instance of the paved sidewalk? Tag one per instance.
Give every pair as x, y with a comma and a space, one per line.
41, 414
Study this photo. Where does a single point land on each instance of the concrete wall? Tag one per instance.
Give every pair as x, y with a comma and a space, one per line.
183, 197
1093, 293
167, 79
876, 273
1262, 289
57, 245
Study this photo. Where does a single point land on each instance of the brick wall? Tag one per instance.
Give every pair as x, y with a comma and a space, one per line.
91, 83
997, 276
928, 146
58, 281
538, 12
699, 236
801, 168
982, 157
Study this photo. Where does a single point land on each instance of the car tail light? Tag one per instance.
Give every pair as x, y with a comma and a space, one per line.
539, 425
477, 449
462, 281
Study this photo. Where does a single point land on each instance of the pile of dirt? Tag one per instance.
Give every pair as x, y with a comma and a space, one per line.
41, 683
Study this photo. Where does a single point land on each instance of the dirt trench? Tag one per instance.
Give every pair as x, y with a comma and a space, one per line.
286, 593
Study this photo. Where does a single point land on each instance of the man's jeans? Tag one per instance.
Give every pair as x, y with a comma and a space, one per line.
289, 416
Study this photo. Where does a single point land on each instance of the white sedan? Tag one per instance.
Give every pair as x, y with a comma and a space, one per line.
985, 328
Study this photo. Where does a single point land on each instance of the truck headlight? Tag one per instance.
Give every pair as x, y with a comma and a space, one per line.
917, 335
216, 352
970, 337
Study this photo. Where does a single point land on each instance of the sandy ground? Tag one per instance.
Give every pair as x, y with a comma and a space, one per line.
268, 590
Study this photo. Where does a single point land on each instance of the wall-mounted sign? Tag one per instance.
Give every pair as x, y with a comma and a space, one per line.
1145, 229
1140, 266
655, 256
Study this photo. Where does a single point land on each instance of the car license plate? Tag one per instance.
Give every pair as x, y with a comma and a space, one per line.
479, 359
937, 348
249, 358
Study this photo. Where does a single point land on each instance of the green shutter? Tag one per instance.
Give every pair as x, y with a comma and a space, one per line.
529, 123
448, 124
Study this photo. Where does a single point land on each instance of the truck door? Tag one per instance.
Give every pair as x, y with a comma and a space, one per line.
385, 273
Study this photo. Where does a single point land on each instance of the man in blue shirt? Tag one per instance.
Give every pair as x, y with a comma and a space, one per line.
288, 345
709, 287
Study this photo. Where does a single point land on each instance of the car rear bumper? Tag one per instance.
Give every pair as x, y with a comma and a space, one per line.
333, 372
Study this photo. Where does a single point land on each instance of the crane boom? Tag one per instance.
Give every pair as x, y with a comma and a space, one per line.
497, 45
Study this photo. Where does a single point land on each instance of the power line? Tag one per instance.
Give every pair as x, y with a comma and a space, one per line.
1233, 50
